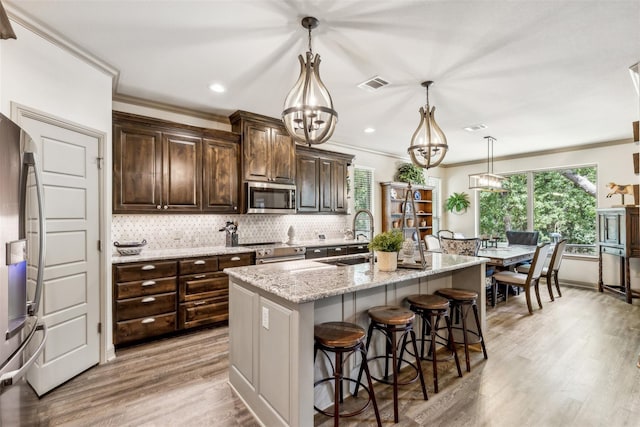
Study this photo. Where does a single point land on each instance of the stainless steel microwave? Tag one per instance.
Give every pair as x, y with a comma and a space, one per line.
270, 198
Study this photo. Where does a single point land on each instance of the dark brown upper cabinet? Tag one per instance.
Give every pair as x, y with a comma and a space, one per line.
321, 180
221, 166
268, 151
161, 166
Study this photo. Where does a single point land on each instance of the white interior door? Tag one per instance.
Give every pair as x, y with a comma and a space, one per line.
70, 304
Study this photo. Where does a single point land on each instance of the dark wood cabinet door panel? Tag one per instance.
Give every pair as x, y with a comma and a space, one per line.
326, 188
339, 180
358, 249
235, 260
145, 287
307, 184
181, 172
283, 160
316, 253
137, 169
203, 312
145, 270
137, 329
337, 251
133, 308
256, 152
221, 168
198, 265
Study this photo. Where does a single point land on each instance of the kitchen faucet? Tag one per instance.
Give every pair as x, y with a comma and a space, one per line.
355, 230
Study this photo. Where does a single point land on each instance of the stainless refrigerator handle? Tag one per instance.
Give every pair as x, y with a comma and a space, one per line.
11, 377
31, 160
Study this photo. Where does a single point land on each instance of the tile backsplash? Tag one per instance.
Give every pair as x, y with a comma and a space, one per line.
185, 231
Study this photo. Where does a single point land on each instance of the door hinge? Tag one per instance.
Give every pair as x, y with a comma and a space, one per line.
100, 245
99, 327
99, 162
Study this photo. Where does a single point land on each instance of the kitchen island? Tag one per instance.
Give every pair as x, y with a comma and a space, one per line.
273, 309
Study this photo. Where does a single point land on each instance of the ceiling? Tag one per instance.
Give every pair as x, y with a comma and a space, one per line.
539, 74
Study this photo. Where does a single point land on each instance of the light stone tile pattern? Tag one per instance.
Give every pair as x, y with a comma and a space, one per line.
305, 281
192, 231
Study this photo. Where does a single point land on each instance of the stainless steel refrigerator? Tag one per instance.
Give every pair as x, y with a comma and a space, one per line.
19, 300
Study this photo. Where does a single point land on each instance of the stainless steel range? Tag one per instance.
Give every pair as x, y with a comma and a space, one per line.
267, 253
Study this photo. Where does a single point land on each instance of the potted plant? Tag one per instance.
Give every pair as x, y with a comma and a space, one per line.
387, 245
408, 172
457, 202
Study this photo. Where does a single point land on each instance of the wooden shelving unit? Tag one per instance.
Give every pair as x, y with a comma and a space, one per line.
393, 204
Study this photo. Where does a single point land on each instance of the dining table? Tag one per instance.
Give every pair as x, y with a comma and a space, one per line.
507, 256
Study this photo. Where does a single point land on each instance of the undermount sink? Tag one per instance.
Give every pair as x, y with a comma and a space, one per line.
344, 262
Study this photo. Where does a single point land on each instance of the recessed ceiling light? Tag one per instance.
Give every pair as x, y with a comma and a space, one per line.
369, 130
474, 128
217, 87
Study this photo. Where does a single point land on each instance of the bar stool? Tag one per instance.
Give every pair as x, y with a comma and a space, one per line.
432, 308
390, 320
462, 301
343, 338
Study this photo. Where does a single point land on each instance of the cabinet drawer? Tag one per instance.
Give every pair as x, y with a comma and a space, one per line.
133, 308
337, 251
194, 288
612, 250
203, 312
316, 253
145, 270
199, 265
146, 327
145, 287
359, 249
235, 260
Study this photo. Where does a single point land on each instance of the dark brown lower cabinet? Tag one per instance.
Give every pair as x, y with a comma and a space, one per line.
157, 298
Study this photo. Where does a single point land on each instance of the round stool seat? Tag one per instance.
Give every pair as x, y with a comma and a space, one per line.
428, 302
457, 294
391, 315
338, 334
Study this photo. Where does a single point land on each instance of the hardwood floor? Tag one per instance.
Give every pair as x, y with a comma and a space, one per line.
572, 363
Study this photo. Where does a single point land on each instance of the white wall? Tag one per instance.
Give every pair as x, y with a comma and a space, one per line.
614, 163
39, 75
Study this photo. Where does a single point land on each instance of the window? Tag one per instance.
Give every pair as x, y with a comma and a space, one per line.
559, 203
363, 195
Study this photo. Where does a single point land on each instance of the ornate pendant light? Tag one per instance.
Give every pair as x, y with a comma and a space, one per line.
487, 181
308, 109
6, 31
428, 143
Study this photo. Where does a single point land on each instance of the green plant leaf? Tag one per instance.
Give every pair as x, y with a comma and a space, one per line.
389, 241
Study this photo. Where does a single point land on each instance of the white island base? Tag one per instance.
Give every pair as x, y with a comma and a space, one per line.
273, 310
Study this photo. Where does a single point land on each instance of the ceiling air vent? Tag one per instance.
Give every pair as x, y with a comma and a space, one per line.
474, 128
373, 84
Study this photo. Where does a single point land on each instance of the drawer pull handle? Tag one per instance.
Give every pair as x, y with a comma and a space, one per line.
235, 258
316, 251
338, 249
149, 283
360, 247
148, 320
199, 262
199, 303
200, 276
148, 267
148, 299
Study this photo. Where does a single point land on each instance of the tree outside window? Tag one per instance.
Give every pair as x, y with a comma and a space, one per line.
564, 206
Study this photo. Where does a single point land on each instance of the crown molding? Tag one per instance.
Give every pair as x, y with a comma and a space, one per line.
141, 102
20, 17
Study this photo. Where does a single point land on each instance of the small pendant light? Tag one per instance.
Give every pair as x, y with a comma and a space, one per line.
428, 143
487, 181
308, 111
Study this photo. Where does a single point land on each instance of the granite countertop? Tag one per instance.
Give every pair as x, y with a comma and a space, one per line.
306, 280
161, 254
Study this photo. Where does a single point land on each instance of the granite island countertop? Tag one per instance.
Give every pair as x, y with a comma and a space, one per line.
306, 280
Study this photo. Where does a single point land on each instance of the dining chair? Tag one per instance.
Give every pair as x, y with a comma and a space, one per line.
432, 242
529, 238
468, 246
550, 272
445, 233
525, 281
